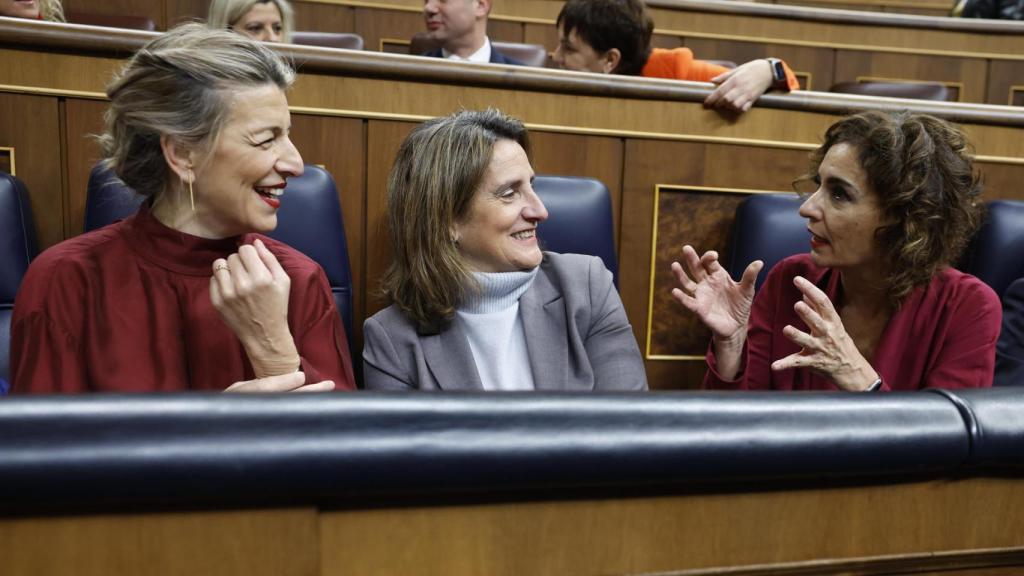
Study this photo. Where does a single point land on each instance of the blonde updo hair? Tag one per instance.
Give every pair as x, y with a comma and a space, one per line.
51, 10
224, 14
180, 85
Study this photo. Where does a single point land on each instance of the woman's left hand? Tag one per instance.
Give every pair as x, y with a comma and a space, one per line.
828, 349
250, 291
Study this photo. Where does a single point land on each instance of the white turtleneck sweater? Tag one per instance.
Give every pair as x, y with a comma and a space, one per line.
494, 328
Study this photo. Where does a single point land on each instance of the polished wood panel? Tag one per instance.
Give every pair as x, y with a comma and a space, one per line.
382, 143
155, 11
693, 531
1006, 82
324, 17
31, 125
377, 26
243, 543
84, 120
965, 77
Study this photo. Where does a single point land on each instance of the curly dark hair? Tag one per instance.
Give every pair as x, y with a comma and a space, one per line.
928, 190
607, 24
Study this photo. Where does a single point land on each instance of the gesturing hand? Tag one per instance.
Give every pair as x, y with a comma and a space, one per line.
250, 291
740, 87
828, 349
707, 290
294, 382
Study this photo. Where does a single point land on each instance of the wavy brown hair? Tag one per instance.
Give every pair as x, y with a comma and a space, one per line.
929, 192
437, 172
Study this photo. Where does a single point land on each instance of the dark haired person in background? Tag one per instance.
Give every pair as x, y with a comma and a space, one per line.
614, 37
875, 305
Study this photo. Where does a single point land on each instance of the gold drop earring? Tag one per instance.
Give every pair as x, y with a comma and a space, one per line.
191, 195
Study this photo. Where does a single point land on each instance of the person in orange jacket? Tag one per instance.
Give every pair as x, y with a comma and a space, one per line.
614, 37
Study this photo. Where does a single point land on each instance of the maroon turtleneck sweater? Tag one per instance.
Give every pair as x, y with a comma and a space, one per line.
127, 309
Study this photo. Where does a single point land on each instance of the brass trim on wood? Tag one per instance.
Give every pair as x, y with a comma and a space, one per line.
37, 91
913, 563
1014, 88
380, 46
948, 83
14, 164
808, 75
654, 256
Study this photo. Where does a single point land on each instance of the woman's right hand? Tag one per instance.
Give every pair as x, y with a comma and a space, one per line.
706, 289
294, 382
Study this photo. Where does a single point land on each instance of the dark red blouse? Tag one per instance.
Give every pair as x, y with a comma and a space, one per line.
127, 309
943, 336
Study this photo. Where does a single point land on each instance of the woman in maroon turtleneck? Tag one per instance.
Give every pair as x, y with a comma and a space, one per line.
187, 295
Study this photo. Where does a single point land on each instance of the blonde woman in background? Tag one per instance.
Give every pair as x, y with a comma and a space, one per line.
34, 9
266, 20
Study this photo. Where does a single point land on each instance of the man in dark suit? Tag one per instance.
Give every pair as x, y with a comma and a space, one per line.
1010, 347
460, 27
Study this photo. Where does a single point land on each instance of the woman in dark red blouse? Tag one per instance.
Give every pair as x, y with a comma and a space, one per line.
875, 305
187, 294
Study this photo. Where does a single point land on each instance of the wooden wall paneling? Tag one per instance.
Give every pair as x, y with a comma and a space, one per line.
683, 532
339, 145
83, 119
813, 64
317, 17
248, 543
576, 155
179, 11
701, 218
1001, 181
37, 69
966, 76
378, 26
155, 11
383, 139
31, 125
544, 34
1006, 82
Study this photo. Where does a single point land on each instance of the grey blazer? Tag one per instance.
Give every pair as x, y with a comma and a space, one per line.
577, 337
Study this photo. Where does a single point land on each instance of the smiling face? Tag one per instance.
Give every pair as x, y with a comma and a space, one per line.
262, 22
239, 184
573, 53
499, 232
844, 213
19, 8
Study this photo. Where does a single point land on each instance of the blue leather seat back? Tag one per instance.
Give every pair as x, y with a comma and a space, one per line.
579, 218
309, 220
995, 253
17, 248
768, 227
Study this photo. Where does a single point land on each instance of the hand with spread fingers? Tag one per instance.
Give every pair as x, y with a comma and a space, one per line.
828, 349
250, 291
721, 303
294, 382
740, 87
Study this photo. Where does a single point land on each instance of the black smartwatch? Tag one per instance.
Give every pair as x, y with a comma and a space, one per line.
779, 80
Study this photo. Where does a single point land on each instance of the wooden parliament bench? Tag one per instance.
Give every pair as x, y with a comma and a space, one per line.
675, 170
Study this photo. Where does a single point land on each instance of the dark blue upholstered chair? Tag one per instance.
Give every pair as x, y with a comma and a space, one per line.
767, 227
579, 218
17, 248
309, 220
994, 254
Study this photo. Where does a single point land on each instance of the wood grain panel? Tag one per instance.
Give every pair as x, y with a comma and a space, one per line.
84, 118
815, 64
316, 17
250, 543
589, 156
339, 145
969, 74
31, 125
1001, 181
629, 536
1005, 83
376, 26
382, 143
183, 10
155, 11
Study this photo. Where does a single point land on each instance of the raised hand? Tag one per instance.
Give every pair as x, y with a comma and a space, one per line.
828, 349
706, 289
294, 382
250, 291
740, 87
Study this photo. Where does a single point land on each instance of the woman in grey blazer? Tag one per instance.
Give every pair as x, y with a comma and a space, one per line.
475, 304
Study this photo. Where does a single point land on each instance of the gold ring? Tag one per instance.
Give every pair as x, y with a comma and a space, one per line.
220, 267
